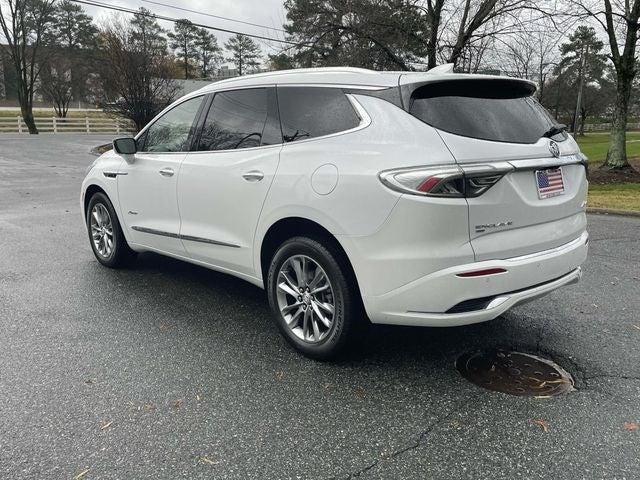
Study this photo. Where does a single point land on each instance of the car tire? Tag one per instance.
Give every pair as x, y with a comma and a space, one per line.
105, 234
317, 320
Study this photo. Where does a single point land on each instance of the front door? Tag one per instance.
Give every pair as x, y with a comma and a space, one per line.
223, 184
147, 190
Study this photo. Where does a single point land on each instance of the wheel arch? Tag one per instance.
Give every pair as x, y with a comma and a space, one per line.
90, 191
290, 227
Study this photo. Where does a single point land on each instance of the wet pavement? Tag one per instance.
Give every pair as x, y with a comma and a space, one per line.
168, 370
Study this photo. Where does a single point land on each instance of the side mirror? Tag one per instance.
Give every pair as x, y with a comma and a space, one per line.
125, 146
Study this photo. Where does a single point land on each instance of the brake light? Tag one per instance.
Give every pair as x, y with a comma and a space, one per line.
451, 181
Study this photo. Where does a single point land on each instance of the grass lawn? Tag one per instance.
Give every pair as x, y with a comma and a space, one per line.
595, 146
622, 196
614, 196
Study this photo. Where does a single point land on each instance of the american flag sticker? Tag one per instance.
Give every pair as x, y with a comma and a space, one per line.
550, 182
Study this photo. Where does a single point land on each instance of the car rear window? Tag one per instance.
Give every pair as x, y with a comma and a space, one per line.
308, 112
497, 110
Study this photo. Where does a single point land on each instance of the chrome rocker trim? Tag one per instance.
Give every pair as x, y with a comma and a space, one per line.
189, 238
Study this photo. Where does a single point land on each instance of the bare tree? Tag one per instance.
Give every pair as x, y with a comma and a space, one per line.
620, 22
137, 73
56, 84
24, 25
399, 34
533, 54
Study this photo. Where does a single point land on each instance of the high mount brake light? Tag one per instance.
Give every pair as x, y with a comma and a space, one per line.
449, 181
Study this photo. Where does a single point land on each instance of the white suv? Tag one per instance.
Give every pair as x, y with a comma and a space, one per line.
430, 199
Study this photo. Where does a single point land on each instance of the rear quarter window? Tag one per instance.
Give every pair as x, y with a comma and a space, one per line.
309, 112
496, 110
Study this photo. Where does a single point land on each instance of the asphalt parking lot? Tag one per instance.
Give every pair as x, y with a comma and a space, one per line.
168, 370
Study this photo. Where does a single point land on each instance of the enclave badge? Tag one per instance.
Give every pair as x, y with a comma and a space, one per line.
490, 226
554, 149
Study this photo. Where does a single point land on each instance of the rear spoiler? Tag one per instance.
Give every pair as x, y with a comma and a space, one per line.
487, 86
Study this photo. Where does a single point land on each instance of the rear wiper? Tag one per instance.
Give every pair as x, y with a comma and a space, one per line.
554, 130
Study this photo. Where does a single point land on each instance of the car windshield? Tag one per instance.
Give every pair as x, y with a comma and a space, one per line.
497, 110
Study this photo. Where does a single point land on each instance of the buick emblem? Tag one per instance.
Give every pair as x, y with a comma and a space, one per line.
554, 149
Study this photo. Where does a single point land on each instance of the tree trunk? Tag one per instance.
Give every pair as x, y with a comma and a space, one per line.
27, 116
617, 154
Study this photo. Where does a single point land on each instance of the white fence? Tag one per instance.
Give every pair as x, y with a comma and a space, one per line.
67, 125
605, 127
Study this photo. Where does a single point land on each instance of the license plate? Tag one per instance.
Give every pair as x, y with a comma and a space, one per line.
550, 182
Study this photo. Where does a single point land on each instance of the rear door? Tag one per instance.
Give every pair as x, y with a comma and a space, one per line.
504, 140
224, 181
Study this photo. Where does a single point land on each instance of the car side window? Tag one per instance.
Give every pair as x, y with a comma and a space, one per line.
308, 112
236, 119
171, 132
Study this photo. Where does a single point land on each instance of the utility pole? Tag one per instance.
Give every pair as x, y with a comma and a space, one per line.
584, 52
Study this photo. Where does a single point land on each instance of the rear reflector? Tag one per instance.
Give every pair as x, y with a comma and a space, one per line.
481, 273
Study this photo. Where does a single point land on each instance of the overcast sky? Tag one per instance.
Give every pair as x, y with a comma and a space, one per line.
264, 12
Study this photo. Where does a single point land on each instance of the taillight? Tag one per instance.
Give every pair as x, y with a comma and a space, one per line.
428, 181
445, 181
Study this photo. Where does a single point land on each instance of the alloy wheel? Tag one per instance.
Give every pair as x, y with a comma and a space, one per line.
305, 298
101, 230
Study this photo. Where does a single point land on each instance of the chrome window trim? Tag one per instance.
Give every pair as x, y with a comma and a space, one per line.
365, 121
248, 149
190, 238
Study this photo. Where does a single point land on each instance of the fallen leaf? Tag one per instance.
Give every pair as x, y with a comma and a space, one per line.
327, 386
106, 425
149, 407
81, 474
631, 426
543, 424
360, 393
177, 404
165, 327
208, 461
279, 376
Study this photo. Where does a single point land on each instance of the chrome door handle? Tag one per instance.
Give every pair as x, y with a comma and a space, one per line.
166, 172
253, 176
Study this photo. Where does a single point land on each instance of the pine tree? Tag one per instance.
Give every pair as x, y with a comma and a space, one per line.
183, 41
208, 52
245, 53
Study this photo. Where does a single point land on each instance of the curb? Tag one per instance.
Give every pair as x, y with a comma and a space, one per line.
609, 211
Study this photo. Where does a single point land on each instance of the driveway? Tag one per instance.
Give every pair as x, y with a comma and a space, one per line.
168, 370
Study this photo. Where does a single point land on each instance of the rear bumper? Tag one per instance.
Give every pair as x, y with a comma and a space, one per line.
425, 301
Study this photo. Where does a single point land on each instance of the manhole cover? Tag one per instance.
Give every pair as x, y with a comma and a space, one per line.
514, 373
